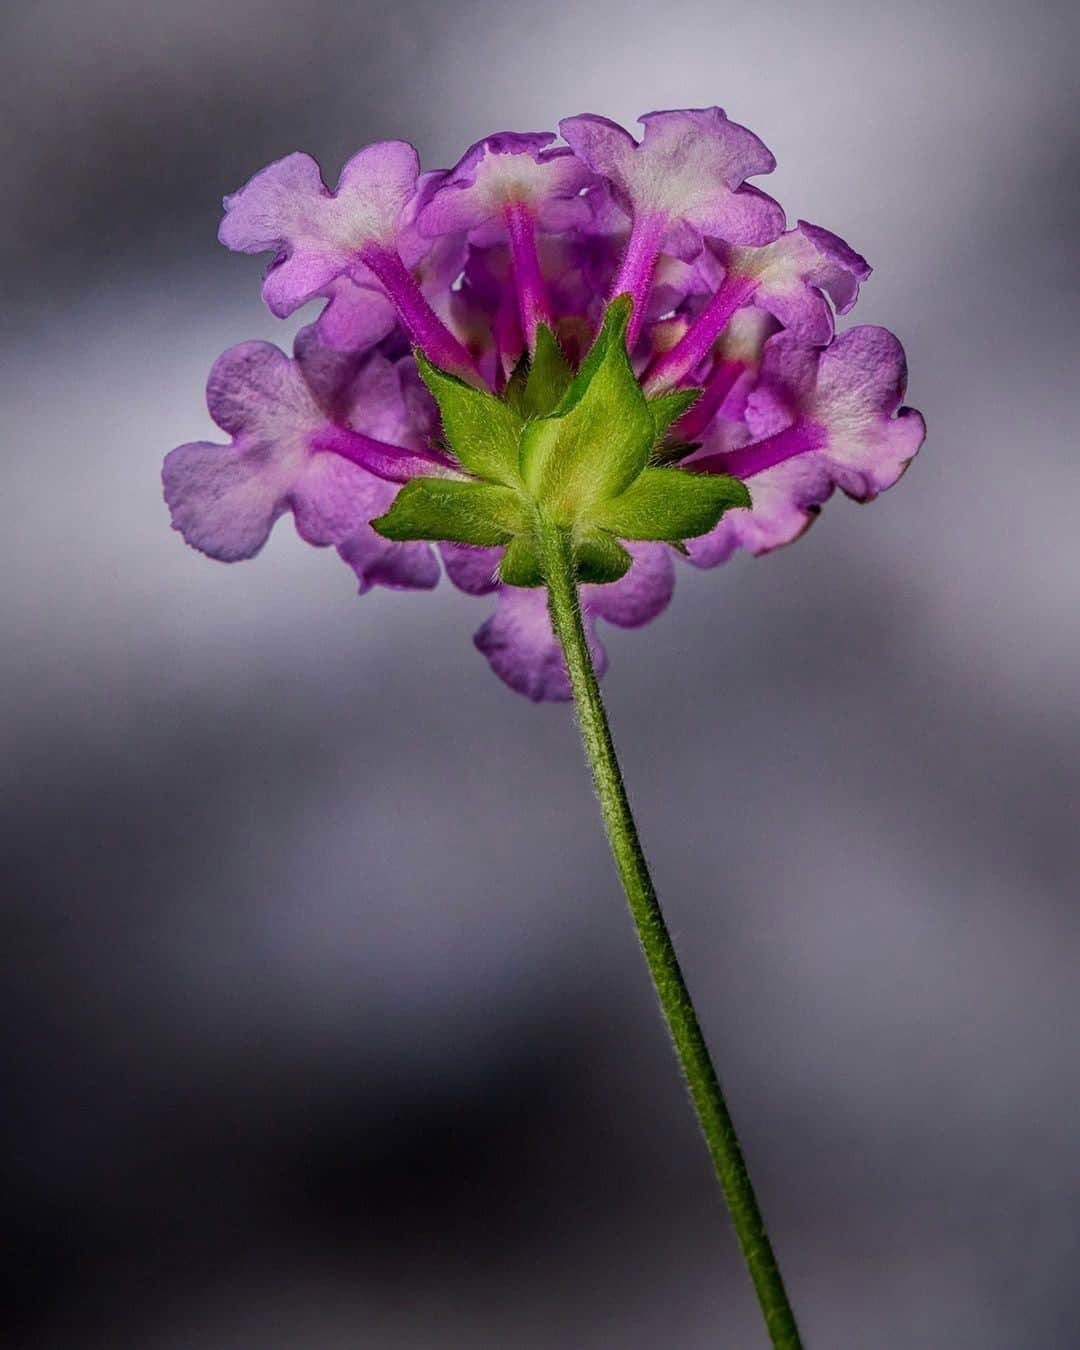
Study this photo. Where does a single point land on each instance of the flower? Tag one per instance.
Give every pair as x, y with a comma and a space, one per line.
297, 445
473, 364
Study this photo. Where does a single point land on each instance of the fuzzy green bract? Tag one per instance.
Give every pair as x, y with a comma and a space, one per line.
569, 450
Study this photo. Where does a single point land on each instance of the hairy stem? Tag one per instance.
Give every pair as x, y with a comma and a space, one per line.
675, 1001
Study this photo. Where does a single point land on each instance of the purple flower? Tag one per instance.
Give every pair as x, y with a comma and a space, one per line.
820, 419
507, 263
790, 278
306, 438
356, 232
686, 180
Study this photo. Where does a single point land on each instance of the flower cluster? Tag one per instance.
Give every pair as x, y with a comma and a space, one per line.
458, 306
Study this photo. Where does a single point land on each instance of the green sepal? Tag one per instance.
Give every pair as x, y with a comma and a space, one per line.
538, 382
612, 334
549, 375
514, 393
448, 508
668, 408
670, 504
599, 438
520, 564
599, 558
481, 430
673, 452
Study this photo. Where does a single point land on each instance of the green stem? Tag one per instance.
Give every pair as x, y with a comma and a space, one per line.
678, 1009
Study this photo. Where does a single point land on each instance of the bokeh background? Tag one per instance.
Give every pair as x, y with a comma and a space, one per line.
323, 1022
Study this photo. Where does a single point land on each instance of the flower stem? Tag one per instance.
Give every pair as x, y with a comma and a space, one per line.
716, 1124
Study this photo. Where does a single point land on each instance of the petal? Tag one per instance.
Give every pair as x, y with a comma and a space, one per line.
380, 562
280, 203
838, 270
862, 377
690, 166
317, 234
793, 272
224, 500
604, 146
333, 499
302, 276
786, 500
373, 191
789, 371
472, 570
639, 596
523, 651
374, 403
356, 317
254, 387
725, 148
328, 371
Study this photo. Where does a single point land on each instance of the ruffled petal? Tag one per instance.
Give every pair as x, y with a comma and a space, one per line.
523, 651
379, 562
328, 372
254, 388
690, 167
356, 317
472, 570
793, 275
316, 234
509, 167
333, 499
861, 382
225, 500
786, 500
789, 370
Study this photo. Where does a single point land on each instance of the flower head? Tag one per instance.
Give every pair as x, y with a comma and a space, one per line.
614, 338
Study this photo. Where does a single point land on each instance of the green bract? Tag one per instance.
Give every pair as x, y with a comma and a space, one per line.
577, 452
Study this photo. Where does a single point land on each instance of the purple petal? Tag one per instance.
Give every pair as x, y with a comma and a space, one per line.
505, 169
785, 388
317, 234
690, 167
380, 562
607, 148
328, 371
785, 499
472, 570
356, 317
224, 501
523, 651
791, 274
840, 270
861, 382
254, 387
333, 500
279, 203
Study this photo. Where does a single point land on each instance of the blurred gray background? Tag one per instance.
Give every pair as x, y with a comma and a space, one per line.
324, 1024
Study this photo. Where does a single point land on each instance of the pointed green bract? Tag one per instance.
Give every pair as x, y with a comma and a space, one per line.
670, 504
600, 437
599, 558
520, 564
514, 393
668, 408
481, 430
447, 508
612, 333
549, 375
